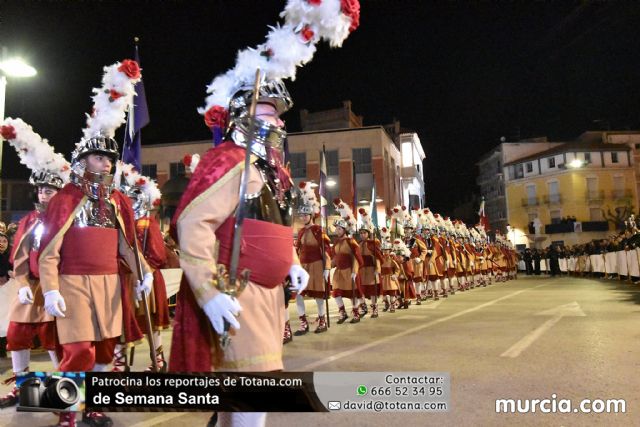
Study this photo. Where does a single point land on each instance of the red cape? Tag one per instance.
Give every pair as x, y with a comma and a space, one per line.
154, 251
63, 204
23, 226
192, 332
58, 216
316, 230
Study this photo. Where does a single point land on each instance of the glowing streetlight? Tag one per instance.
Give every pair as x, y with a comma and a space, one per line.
576, 163
17, 67
12, 67
331, 183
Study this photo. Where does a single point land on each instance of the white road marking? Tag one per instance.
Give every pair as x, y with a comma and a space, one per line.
566, 310
325, 361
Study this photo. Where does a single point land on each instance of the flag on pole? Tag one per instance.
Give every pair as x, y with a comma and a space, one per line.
484, 221
137, 119
323, 187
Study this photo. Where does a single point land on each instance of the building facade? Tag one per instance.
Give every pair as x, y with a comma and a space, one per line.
394, 161
590, 182
491, 178
411, 173
370, 149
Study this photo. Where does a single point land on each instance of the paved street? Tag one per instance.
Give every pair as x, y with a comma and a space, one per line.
525, 339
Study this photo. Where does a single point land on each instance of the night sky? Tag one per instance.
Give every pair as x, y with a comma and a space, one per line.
461, 74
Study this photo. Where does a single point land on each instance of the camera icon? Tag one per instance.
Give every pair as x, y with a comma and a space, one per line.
51, 393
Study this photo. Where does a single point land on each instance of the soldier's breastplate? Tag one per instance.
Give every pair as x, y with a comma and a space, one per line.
36, 235
95, 214
271, 204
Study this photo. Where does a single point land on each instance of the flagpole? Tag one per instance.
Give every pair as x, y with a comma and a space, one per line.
324, 225
376, 230
355, 191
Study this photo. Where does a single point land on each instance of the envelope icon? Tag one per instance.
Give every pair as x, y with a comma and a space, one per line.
334, 406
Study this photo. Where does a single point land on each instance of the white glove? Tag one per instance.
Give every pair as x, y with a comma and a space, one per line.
418, 260
145, 286
326, 275
394, 276
54, 303
353, 276
220, 308
377, 276
25, 296
299, 278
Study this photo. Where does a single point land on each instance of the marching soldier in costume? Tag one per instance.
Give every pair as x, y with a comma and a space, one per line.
88, 226
310, 243
348, 260
487, 256
239, 201
462, 264
480, 262
418, 248
145, 197
205, 221
433, 260
389, 272
405, 278
443, 273
50, 171
499, 259
450, 252
471, 257
372, 257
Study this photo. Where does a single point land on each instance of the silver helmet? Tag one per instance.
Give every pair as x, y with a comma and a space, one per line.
266, 135
41, 178
94, 145
305, 209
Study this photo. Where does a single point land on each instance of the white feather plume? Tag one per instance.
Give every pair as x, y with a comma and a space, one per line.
35, 151
287, 47
134, 179
308, 196
109, 113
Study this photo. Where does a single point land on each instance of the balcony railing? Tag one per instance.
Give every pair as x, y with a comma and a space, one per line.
595, 195
530, 201
552, 199
620, 194
569, 227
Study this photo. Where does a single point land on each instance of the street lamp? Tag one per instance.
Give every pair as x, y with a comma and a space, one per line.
576, 163
10, 67
16, 67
